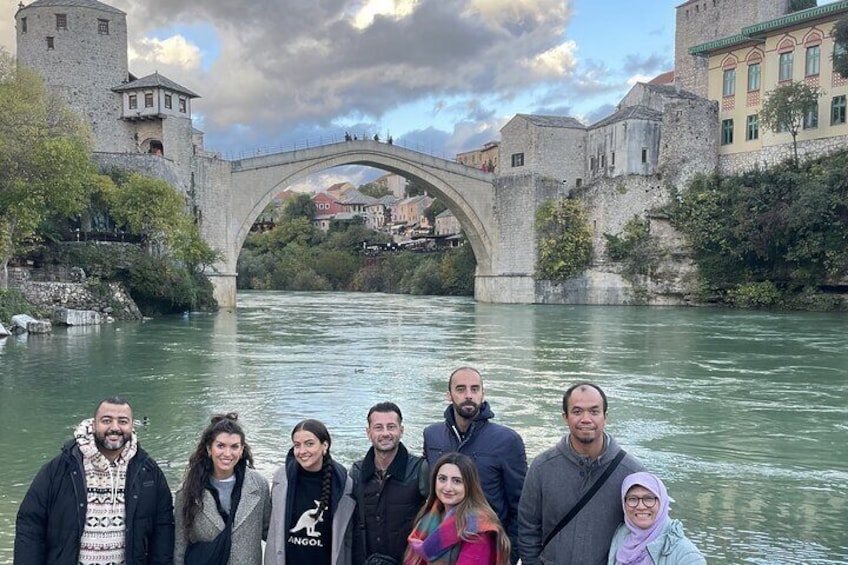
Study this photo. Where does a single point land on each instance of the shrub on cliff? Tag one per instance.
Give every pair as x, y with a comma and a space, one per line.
565, 240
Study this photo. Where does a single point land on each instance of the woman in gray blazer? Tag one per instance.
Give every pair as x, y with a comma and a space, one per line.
221, 487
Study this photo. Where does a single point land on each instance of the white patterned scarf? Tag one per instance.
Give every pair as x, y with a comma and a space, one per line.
103, 540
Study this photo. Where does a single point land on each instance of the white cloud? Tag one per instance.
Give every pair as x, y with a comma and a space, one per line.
174, 51
396, 9
639, 78
556, 62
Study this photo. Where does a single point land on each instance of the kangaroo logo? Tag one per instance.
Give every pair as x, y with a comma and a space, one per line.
308, 520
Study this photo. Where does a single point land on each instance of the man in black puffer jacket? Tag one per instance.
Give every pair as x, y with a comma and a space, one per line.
103, 499
391, 486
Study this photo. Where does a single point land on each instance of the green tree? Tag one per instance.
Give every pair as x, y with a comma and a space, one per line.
45, 167
374, 190
785, 108
565, 240
301, 206
416, 187
433, 210
635, 247
840, 52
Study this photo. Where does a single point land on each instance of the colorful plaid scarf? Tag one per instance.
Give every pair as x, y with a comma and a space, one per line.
435, 539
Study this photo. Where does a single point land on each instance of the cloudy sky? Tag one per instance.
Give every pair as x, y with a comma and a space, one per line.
439, 75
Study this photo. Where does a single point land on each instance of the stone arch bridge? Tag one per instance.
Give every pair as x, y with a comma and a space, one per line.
496, 216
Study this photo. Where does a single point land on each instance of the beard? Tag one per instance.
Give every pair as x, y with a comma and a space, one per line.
467, 409
108, 444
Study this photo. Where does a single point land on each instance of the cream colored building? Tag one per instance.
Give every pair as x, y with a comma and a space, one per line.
744, 68
485, 158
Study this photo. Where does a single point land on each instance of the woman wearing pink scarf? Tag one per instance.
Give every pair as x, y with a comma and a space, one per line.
648, 536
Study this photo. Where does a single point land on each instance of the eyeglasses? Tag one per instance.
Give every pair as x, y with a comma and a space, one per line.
633, 501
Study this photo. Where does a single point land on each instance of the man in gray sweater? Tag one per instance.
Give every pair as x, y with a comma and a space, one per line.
560, 476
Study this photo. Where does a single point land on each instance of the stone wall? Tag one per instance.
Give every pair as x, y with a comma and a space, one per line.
144, 163
116, 303
769, 156
689, 143
83, 65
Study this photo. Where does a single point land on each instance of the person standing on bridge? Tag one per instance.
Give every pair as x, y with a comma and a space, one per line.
313, 508
497, 451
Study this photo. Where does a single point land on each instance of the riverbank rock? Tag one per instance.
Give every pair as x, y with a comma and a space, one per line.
3, 331
69, 317
28, 324
111, 302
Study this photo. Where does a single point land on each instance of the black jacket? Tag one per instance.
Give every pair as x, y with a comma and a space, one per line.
52, 515
388, 508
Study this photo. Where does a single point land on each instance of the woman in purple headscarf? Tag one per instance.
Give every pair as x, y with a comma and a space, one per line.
648, 536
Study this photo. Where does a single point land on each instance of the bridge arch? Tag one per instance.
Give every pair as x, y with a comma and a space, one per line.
467, 192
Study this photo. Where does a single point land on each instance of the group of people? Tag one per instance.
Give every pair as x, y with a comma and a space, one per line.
470, 499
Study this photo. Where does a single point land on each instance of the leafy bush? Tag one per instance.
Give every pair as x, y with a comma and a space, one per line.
565, 240
12, 303
755, 295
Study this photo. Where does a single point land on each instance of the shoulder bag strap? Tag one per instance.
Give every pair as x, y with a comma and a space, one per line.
586, 498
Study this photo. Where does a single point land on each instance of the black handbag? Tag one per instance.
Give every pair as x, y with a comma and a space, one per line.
215, 552
380, 559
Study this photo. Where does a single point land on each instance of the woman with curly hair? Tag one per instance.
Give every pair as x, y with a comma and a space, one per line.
222, 509
456, 525
313, 505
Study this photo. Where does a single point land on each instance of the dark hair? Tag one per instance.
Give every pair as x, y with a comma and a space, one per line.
474, 501
581, 385
455, 371
200, 464
119, 400
385, 407
319, 430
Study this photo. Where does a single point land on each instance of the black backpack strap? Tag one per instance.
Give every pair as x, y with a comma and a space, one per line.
586, 498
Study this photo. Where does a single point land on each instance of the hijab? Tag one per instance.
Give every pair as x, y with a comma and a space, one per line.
634, 550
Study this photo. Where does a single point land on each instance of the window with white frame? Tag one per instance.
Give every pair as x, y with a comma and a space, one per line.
785, 67
728, 87
812, 61
754, 70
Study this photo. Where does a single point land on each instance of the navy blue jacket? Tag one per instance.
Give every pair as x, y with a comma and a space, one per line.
52, 515
497, 451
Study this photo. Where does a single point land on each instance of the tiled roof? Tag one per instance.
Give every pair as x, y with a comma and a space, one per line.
630, 113
75, 4
155, 81
354, 197
664, 78
552, 121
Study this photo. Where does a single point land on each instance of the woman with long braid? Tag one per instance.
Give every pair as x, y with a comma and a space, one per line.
312, 520
221, 490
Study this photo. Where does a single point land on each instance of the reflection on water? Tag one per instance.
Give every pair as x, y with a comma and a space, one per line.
743, 414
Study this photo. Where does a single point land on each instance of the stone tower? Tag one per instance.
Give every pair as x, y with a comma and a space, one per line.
702, 21
80, 49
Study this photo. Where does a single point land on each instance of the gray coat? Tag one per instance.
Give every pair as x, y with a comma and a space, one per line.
556, 480
250, 525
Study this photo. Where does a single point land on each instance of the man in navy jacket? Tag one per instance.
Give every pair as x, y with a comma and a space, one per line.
497, 451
